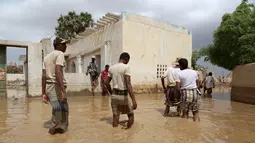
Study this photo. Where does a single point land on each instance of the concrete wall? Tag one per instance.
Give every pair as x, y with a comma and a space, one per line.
34, 51
35, 69
15, 79
243, 84
152, 43
47, 46
76, 81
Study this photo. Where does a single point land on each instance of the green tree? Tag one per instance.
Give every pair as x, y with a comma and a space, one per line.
194, 58
72, 24
196, 55
234, 40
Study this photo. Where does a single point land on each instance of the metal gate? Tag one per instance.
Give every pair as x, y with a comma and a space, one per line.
3, 69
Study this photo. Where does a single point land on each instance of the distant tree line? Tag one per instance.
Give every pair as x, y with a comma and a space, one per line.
15, 69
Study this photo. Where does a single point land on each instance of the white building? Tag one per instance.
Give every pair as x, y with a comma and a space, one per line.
152, 45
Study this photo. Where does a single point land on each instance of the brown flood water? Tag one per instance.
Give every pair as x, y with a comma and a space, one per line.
21, 121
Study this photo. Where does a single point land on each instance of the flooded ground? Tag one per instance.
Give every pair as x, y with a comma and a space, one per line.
21, 121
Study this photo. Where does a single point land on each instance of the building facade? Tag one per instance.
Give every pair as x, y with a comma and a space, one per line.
152, 45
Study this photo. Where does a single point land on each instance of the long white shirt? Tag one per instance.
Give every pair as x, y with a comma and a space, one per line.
209, 82
171, 75
188, 79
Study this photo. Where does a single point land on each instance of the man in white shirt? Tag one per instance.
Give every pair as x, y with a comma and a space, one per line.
54, 87
172, 95
209, 83
188, 83
120, 75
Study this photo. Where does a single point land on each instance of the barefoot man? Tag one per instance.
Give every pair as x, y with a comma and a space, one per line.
54, 87
188, 83
120, 75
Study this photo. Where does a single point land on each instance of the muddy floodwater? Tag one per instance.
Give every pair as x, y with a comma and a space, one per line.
21, 121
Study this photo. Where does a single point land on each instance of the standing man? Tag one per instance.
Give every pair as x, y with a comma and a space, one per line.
104, 75
172, 94
209, 82
188, 83
92, 69
120, 75
204, 83
54, 87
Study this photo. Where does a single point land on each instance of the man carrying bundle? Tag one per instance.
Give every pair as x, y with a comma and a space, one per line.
172, 94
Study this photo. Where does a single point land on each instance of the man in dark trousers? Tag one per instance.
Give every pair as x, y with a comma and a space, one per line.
92, 70
172, 94
54, 87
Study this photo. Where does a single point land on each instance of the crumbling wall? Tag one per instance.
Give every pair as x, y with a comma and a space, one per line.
243, 84
34, 69
16, 80
36, 51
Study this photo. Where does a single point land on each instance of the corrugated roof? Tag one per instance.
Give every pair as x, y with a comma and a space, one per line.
106, 20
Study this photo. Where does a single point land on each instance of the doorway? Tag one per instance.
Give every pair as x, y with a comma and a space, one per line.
3, 71
13, 71
73, 67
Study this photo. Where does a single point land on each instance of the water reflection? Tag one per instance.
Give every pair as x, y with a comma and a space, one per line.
3, 116
22, 120
13, 113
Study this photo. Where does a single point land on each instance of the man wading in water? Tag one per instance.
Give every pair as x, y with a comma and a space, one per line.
209, 84
120, 75
93, 72
104, 75
54, 87
172, 94
188, 83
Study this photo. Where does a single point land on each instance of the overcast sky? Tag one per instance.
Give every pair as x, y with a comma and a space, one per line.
32, 20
